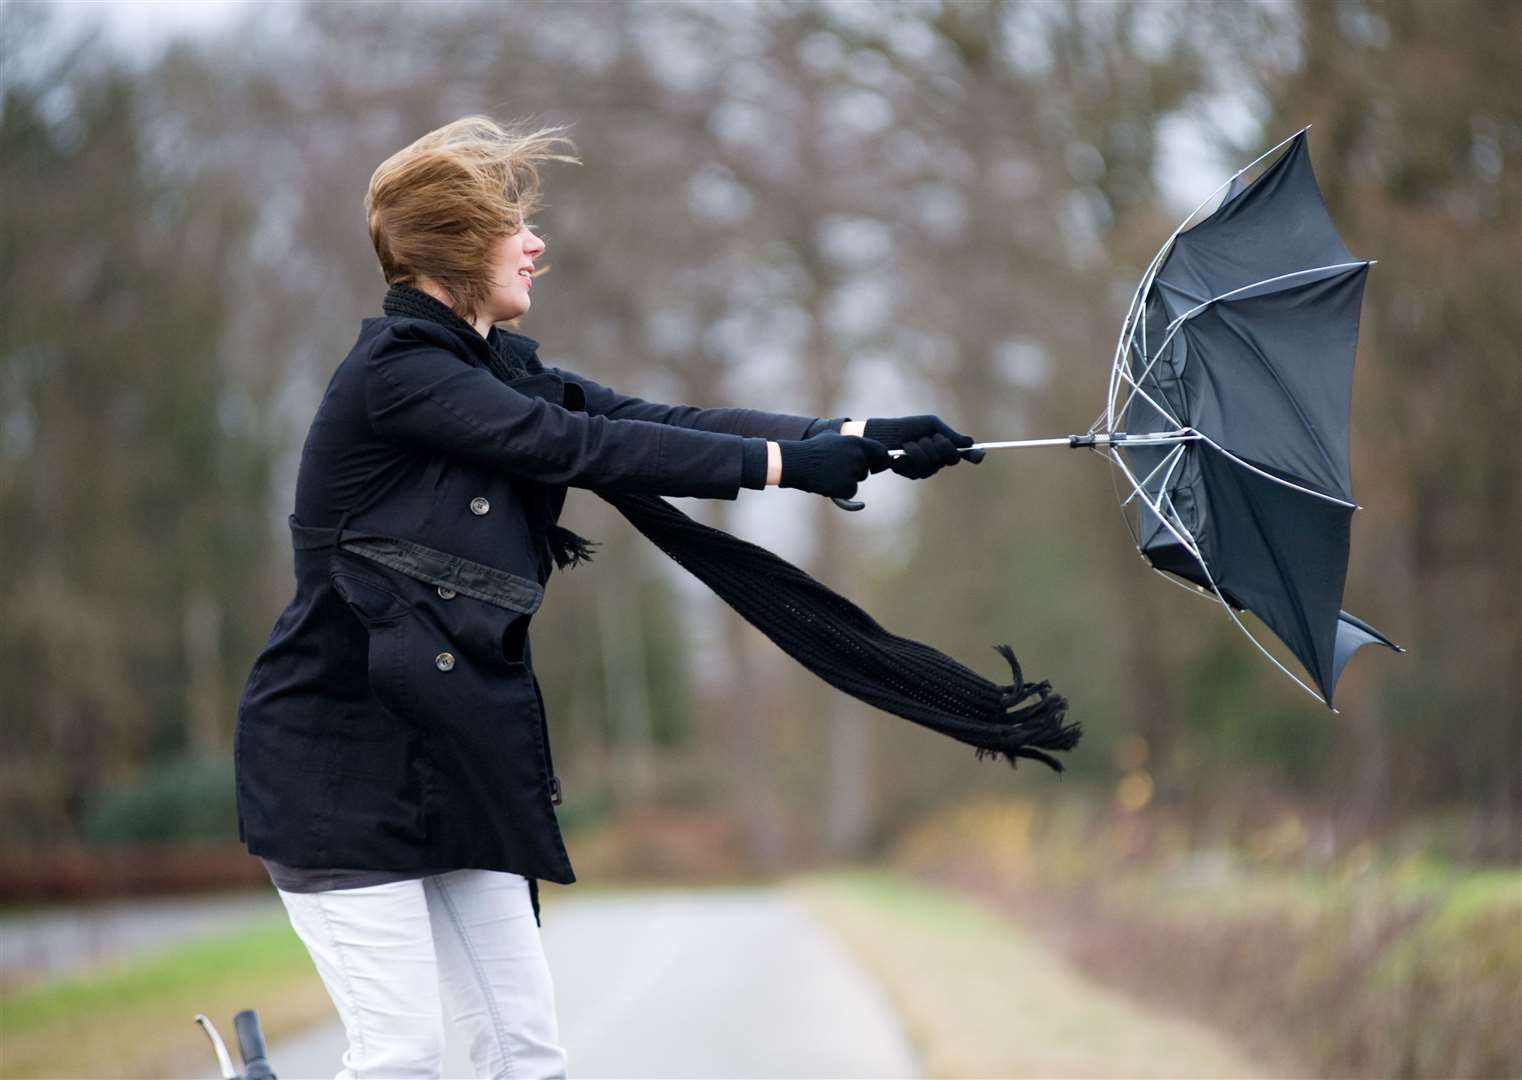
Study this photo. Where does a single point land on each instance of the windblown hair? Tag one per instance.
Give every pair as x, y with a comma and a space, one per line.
436, 207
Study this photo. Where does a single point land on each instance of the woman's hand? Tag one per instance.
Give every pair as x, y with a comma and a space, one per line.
927, 442
829, 463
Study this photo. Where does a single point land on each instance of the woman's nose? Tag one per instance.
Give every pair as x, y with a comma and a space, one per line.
532, 244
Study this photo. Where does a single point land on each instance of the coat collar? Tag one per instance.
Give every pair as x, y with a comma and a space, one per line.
507, 354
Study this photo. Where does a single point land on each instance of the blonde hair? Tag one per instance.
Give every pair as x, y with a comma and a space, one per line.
435, 208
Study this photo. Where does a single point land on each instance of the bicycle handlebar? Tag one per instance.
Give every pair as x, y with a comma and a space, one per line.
256, 1064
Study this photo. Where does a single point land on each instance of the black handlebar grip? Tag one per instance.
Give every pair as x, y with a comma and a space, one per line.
256, 1064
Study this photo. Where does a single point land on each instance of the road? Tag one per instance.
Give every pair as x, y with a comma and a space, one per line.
738, 982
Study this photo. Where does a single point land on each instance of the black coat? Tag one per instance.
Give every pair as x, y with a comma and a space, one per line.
393, 720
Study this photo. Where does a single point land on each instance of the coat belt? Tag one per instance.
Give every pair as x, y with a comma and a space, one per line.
488, 583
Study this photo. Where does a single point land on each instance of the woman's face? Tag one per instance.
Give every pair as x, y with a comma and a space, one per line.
512, 263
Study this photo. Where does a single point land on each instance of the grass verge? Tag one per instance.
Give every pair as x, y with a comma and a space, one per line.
980, 998
137, 1018
1364, 964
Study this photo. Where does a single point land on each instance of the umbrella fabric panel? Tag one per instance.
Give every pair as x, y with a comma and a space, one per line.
1278, 224
1353, 634
1283, 554
1270, 377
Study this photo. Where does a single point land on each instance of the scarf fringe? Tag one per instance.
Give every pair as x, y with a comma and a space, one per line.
1034, 728
568, 548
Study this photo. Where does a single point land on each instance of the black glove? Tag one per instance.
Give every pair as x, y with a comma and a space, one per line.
929, 445
830, 463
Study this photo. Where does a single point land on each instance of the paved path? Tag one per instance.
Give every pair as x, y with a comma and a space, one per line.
689, 983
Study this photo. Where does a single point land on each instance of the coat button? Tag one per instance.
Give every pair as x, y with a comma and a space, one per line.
479, 506
446, 592
444, 661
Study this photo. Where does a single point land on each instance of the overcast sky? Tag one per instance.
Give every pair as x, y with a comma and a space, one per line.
141, 28
1187, 170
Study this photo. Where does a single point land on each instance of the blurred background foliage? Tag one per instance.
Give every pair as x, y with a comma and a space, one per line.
823, 208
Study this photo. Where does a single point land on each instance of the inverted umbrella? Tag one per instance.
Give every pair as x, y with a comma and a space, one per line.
1227, 412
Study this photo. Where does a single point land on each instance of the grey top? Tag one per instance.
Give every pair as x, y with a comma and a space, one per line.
301, 879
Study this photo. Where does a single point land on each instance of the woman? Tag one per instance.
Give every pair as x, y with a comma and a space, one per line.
393, 760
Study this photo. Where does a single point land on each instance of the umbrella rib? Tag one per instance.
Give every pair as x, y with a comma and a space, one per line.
1136, 389
1168, 476
1169, 460
1136, 383
1109, 455
1192, 312
1244, 463
1179, 534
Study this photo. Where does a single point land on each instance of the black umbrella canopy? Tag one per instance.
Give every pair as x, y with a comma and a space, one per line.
1246, 340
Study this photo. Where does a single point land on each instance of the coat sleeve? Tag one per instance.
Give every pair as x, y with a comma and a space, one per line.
605, 401
420, 393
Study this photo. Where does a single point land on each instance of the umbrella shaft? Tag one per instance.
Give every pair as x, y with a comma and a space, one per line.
1118, 438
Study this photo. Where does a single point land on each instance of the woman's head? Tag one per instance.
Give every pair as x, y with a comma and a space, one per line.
449, 208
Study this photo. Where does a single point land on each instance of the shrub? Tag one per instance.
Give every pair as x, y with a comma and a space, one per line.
174, 800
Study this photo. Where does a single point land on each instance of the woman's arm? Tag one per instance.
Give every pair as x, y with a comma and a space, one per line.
605, 401
421, 393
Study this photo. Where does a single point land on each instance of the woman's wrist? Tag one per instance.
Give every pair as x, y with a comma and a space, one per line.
774, 451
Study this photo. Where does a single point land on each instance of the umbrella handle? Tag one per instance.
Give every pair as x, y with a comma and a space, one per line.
857, 504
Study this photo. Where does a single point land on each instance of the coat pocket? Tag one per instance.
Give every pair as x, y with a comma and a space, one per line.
417, 633
386, 616
370, 600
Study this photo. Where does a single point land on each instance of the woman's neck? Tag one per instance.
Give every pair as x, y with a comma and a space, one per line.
481, 323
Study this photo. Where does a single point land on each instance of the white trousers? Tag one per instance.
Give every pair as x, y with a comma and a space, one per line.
394, 956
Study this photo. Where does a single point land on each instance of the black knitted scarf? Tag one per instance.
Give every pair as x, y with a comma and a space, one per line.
820, 629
